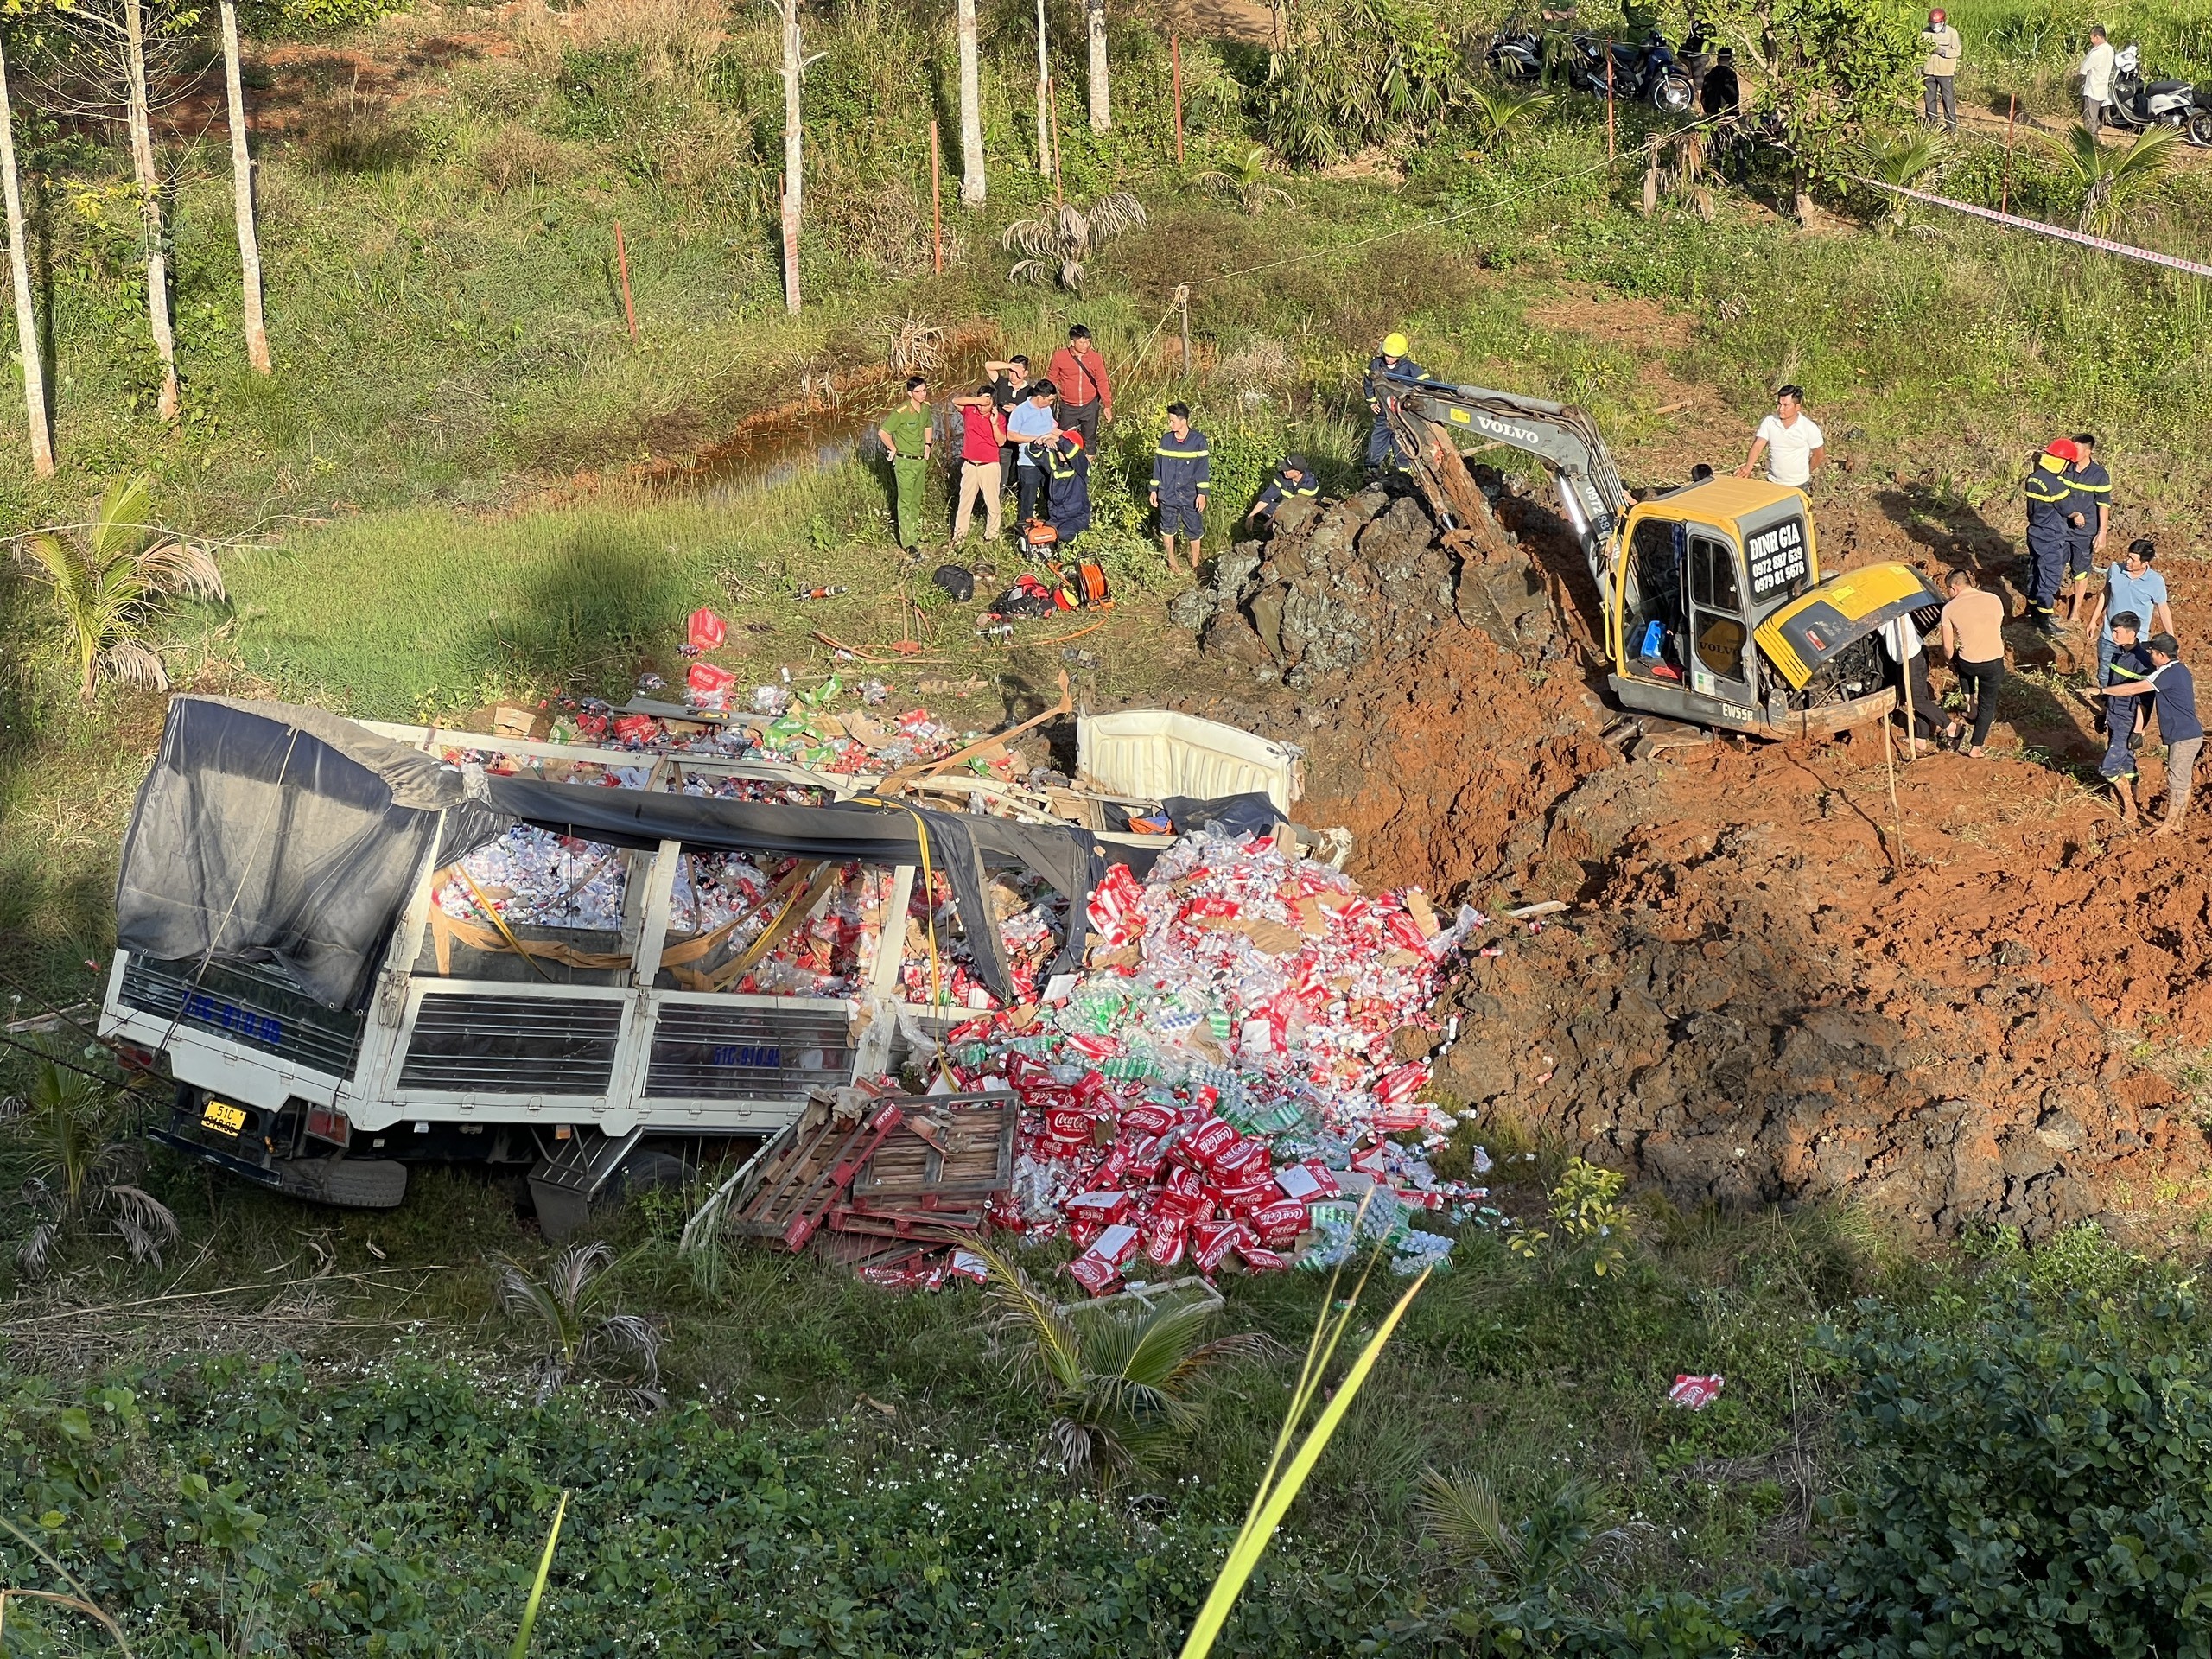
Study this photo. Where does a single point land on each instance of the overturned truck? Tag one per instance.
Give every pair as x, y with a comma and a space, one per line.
356, 949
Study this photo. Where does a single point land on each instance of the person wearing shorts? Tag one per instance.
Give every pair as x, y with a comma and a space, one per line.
1973, 639
1181, 468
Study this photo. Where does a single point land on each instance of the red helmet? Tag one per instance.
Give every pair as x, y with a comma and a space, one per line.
2064, 449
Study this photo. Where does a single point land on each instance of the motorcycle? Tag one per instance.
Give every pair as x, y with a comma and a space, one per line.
2200, 119
1649, 71
1516, 53
2139, 105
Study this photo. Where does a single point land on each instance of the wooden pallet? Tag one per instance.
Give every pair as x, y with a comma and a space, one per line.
805, 1174
950, 1155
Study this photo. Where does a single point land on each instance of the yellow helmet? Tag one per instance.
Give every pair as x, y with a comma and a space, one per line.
1395, 345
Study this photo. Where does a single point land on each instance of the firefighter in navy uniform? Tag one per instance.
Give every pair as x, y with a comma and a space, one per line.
1387, 367
2051, 512
1293, 480
2091, 517
1067, 487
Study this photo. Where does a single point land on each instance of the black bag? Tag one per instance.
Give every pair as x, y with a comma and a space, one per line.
955, 580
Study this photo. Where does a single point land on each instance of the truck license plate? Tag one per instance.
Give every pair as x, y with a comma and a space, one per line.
228, 1120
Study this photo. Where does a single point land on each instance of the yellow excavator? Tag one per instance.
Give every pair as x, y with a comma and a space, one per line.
1713, 609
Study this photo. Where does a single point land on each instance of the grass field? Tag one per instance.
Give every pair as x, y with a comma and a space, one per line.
438, 503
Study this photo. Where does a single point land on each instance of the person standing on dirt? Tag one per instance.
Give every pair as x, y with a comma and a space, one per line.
2130, 667
1794, 446
1080, 373
2177, 723
1388, 373
2131, 585
2086, 524
1907, 655
1182, 466
907, 434
2097, 79
2050, 528
1938, 76
1974, 640
1030, 424
1293, 481
982, 434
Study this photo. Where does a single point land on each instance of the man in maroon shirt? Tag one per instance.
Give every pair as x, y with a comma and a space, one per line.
1086, 393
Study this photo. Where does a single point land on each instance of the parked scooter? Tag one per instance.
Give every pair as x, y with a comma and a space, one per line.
1649, 71
1517, 52
2139, 105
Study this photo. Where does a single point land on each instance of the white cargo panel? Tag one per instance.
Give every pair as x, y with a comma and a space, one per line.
1152, 753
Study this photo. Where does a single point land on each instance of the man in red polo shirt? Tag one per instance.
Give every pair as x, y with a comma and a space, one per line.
1086, 393
982, 431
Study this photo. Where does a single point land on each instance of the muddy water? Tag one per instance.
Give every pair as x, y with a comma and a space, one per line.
831, 426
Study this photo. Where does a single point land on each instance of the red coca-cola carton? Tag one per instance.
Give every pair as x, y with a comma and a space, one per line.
1166, 1236
1402, 1082
1148, 1157
1244, 1200
1211, 1242
1306, 1181
1147, 1118
1003, 1213
635, 729
1105, 1207
1094, 1275
704, 630
1068, 1124
706, 677
1694, 1392
1237, 1164
1208, 1141
1281, 1222
1258, 1258
1111, 1250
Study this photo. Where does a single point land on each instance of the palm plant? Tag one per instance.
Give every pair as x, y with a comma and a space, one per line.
1500, 114
565, 1306
1899, 161
1246, 181
2115, 183
74, 1131
105, 580
1057, 242
1120, 1379
1556, 1542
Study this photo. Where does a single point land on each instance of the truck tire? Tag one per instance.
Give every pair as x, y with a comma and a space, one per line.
347, 1183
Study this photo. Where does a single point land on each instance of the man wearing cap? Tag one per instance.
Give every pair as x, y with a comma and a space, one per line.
2175, 688
2049, 511
1293, 480
1938, 75
1385, 373
2091, 514
1182, 466
1086, 393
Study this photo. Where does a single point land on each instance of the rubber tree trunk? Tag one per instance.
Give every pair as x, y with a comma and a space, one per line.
257, 332
19, 270
149, 203
973, 186
1102, 102
1044, 100
794, 154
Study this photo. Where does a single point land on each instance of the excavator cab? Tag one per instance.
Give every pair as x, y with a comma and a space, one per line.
1713, 609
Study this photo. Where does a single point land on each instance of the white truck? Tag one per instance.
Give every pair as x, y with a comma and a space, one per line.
311, 948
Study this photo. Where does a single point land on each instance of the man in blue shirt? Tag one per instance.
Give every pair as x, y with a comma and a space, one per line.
1182, 466
1031, 423
2132, 585
2176, 688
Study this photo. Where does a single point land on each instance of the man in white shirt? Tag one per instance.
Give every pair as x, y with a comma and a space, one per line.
2097, 79
1793, 445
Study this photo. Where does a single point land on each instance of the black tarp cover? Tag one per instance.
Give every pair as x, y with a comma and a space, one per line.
289, 838
285, 838
963, 845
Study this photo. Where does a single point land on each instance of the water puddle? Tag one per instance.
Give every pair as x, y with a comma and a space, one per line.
834, 421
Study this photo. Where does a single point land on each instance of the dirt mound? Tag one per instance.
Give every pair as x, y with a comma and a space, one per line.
1760, 994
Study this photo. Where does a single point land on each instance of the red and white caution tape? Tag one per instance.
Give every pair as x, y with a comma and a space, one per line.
2104, 244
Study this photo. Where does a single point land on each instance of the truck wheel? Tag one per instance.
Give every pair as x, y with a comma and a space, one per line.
348, 1183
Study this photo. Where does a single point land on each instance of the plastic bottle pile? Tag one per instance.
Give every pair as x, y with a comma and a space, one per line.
1221, 1083
535, 878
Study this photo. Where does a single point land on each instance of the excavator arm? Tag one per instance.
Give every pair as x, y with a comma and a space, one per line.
1565, 439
